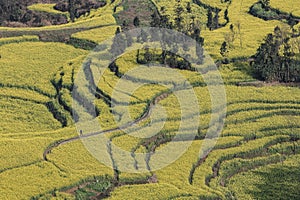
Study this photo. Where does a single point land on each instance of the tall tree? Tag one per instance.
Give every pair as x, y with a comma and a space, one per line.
210, 19
72, 10
188, 7
275, 58
155, 19
136, 21
266, 4
267, 60
224, 50
226, 15
118, 30
147, 55
216, 20
178, 16
287, 60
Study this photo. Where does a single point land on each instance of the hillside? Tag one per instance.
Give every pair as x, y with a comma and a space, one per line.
36, 13
97, 105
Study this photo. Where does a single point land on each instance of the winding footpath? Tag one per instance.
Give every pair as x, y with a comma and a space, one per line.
146, 114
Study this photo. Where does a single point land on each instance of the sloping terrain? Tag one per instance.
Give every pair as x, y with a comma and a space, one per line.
43, 155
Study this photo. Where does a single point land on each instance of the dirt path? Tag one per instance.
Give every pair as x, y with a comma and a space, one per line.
146, 114
63, 35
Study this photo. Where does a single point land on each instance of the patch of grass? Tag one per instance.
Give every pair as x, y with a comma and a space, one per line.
198, 12
288, 6
283, 177
43, 7
33, 64
247, 39
97, 35
25, 38
25, 116
23, 94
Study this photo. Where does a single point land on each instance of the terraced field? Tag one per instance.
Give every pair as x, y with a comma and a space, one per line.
46, 152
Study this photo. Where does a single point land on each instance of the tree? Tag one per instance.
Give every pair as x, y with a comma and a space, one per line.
136, 22
292, 21
114, 68
296, 44
267, 60
72, 10
216, 20
275, 58
178, 16
188, 7
155, 19
124, 25
10, 10
231, 27
147, 55
118, 30
210, 19
287, 61
265, 4
224, 50
164, 22
213, 20
226, 15
187, 27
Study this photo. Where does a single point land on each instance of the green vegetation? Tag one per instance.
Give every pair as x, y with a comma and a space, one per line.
36, 60
258, 181
44, 8
25, 38
276, 59
97, 35
288, 6
256, 155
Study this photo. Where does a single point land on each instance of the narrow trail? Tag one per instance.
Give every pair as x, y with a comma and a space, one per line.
146, 114
51, 35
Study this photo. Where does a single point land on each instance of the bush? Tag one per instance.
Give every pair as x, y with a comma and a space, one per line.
259, 11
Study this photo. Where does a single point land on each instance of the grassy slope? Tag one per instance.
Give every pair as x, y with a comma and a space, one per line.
49, 8
253, 31
33, 65
284, 175
288, 6
70, 163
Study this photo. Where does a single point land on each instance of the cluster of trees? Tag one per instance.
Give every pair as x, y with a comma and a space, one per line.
213, 14
265, 4
77, 8
234, 33
10, 10
15, 13
276, 58
213, 19
263, 9
161, 20
188, 27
